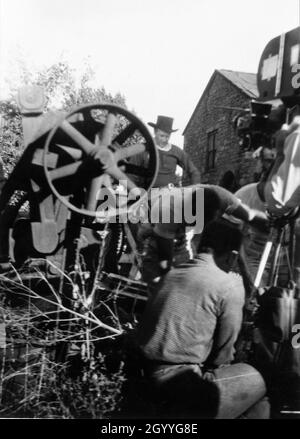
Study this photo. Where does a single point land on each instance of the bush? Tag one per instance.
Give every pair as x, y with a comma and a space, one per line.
50, 369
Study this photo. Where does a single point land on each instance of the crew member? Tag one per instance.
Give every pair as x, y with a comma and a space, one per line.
188, 332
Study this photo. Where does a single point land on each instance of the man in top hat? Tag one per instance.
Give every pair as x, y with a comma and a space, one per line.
170, 155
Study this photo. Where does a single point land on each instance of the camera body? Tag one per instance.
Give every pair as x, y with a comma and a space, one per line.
278, 82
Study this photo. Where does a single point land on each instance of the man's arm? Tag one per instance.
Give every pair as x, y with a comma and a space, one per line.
232, 205
188, 166
254, 217
229, 323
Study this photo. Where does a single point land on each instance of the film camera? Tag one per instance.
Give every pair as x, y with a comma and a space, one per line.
278, 82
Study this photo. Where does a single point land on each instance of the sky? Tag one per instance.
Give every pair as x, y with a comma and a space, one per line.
159, 54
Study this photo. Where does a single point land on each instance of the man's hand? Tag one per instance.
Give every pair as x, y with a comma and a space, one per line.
256, 218
260, 220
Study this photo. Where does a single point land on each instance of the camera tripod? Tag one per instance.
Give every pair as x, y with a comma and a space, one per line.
277, 314
282, 241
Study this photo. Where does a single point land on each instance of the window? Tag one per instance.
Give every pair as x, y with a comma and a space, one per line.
211, 150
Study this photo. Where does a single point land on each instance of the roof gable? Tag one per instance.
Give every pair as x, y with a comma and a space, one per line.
245, 82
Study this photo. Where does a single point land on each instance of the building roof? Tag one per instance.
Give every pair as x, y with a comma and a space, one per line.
245, 82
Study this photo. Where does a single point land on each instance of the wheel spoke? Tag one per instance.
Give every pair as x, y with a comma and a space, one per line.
105, 138
65, 171
105, 184
107, 133
129, 151
125, 134
76, 154
116, 173
105, 181
79, 138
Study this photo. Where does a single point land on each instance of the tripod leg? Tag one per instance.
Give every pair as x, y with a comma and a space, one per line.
262, 264
296, 254
273, 276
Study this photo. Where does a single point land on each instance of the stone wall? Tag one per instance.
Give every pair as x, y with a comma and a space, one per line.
207, 118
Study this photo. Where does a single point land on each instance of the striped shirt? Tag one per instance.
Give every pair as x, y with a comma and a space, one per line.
195, 317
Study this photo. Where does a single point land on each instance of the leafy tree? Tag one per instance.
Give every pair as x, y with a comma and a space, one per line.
10, 134
64, 90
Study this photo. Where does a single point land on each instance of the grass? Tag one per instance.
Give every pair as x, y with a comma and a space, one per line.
61, 359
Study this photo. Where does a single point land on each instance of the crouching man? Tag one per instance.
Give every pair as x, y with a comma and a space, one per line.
188, 332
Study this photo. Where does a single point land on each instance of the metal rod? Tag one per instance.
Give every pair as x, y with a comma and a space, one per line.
262, 264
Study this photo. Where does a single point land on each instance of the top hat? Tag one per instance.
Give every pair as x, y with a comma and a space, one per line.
163, 123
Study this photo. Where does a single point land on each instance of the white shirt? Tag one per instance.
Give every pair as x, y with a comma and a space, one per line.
164, 148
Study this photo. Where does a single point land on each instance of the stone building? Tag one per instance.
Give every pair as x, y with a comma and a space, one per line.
210, 138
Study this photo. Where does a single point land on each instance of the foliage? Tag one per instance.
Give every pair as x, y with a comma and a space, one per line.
63, 359
52, 391
10, 134
35, 380
65, 89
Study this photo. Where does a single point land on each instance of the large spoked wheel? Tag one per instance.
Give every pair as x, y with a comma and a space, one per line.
91, 151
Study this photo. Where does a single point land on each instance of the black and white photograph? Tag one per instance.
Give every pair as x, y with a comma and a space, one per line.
149, 213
